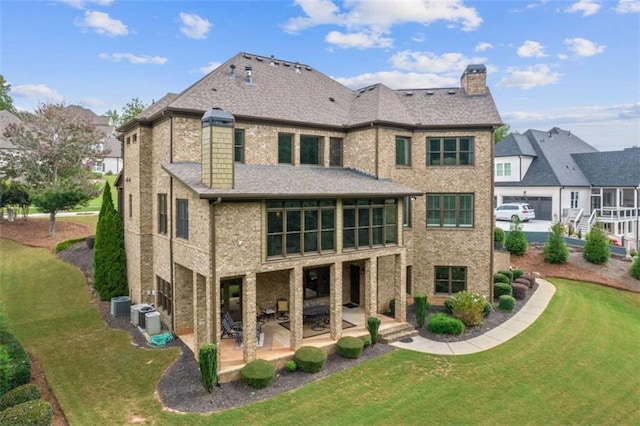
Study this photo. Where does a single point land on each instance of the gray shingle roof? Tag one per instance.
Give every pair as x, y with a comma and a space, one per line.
611, 168
114, 146
279, 92
277, 181
513, 145
157, 106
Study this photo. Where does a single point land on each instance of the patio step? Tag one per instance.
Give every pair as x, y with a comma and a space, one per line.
397, 332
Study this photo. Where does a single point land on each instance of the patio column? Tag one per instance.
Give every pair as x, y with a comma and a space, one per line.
336, 301
295, 308
249, 317
371, 287
215, 318
400, 288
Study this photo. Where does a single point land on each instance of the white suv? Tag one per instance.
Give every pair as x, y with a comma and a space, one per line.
510, 211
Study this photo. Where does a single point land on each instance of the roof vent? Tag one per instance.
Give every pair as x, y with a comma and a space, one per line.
272, 62
298, 68
232, 71
408, 93
371, 88
248, 75
452, 91
259, 59
247, 56
430, 92
286, 64
332, 99
307, 68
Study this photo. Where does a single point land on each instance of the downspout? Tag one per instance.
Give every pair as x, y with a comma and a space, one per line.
560, 205
520, 168
215, 303
377, 148
170, 225
493, 223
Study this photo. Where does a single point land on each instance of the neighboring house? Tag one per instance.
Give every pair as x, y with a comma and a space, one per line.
296, 187
6, 118
563, 177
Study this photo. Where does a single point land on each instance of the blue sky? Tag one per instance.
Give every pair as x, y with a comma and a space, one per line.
571, 64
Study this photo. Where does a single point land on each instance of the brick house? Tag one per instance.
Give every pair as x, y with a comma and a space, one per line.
267, 180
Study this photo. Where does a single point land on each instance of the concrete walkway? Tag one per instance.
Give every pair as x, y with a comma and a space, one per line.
535, 306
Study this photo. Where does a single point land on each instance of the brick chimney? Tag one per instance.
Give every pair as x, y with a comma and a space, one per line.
217, 148
474, 80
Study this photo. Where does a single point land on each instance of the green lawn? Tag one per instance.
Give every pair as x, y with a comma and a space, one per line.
94, 204
578, 364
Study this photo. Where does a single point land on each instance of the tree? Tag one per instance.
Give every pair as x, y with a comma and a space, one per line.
596, 249
501, 133
128, 112
109, 259
516, 241
635, 267
14, 194
6, 101
55, 153
556, 250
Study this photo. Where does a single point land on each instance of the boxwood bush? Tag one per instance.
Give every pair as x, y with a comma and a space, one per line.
290, 366
509, 275
531, 278
519, 291
310, 359
444, 324
488, 307
19, 365
500, 278
366, 341
36, 412
635, 268
522, 281
350, 347
506, 303
18, 395
258, 373
517, 273
500, 289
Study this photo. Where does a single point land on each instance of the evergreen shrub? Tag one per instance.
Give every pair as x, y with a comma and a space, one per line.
208, 360
596, 249
441, 323
350, 347
499, 277
500, 289
373, 324
506, 303
310, 359
555, 250
18, 395
36, 412
519, 291
258, 373
421, 305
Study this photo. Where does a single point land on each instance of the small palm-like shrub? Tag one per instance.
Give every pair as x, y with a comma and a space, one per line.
517, 273
506, 303
350, 347
508, 274
258, 373
15, 396
290, 366
519, 291
500, 278
444, 324
36, 412
373, 324
208, 359
596, 249
555, 250
500, 289
635, 268
310, 359
421, 305
468, 307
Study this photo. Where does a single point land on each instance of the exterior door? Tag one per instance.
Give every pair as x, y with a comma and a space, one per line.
355, 284
231, 298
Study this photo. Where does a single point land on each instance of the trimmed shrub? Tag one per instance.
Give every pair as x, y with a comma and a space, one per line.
19, 372
421, 305
506, 303
311, 359
37, 412
531, 278
501, 289
555, 250
517, 273
468, 307
290, 366
499, 277
392, 307
91, 240
208, 359
63, 245
523, 281
448, 304
498, 238
4, 369
350, 347
373, 324
444, 324
15, 396
519, 291
258, 373
488, 308
516, 242
635, 268
366, 341
596, 249
508, 274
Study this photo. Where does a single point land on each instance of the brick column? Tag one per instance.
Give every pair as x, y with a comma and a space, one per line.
371, 287
295, 308
249, 317
400, 287
336, 301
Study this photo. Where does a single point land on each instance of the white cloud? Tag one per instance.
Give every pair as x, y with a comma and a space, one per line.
93, 102
209, 67
134, 59
528, 78
80, 4
586, 7
563, 56
102, 23
531, 49
194, 26
418, 38
399, 80
431, 63
360, 40
37, 92
377, 17
483, 46
628, 6
583, 47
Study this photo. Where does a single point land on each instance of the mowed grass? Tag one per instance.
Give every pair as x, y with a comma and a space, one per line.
577, 364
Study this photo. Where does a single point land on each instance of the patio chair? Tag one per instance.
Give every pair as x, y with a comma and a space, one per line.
282, 309
230, 328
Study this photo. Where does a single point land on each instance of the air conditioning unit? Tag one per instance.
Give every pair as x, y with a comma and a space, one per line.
142, 323
120, 306
135, 312
152, 322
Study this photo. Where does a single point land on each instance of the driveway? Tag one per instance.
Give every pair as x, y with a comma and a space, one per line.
531, 226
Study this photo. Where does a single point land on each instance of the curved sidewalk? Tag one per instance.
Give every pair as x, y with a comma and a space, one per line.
530, 312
